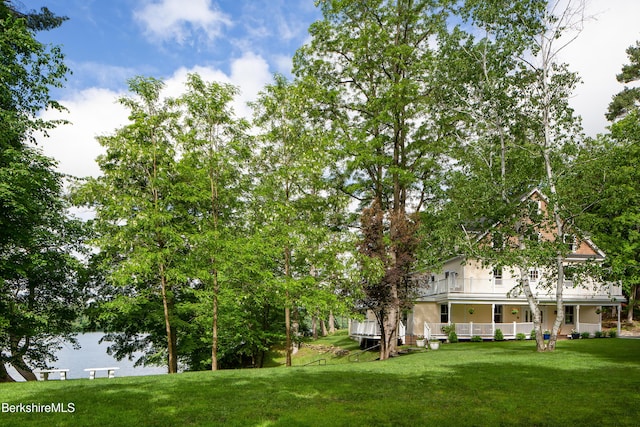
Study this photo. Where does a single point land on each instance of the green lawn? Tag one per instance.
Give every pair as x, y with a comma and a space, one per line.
585, 382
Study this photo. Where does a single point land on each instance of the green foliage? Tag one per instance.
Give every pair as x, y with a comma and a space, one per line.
599, 334
521, 337
498, 335
476, 338
372, 69
139, 232
40, 277
612, 333
585, 335
626, 101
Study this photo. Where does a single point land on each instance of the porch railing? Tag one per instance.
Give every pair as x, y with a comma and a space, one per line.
484, 330
370, 329
487, 330
470, 285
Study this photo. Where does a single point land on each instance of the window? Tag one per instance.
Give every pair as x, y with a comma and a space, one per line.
444, 313
569, 314
571, 242
497, 276
534, 275
497, 314
528, 316
568, 279
534, 209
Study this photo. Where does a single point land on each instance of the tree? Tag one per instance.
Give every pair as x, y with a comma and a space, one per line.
608, 185
523, 134
215, 150
377, 69
138, 222
39, 276
628, 100
294, 203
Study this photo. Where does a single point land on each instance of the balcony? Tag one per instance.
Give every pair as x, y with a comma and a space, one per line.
475, 286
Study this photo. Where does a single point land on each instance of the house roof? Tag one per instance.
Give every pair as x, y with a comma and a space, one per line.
528, 196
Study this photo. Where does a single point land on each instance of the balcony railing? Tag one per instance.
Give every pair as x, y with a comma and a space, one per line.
502, 286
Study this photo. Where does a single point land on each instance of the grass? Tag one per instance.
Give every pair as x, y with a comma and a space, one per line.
585, 382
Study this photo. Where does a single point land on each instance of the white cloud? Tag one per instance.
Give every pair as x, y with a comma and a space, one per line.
598, 55
95, 111
173, 19
92, 112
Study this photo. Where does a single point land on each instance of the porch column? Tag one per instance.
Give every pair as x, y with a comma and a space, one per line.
619, 310
493, 319
449, 312
578, 317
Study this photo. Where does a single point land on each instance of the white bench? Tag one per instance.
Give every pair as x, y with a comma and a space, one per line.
111, 372
44, 373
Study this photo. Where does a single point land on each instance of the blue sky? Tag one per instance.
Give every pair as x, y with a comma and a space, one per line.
107, 41
244, 42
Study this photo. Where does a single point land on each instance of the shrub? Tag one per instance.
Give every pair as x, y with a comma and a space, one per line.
498, 336
598, 334
476, 338
585, 335
613, 333
450, 330
532, 335
520, 336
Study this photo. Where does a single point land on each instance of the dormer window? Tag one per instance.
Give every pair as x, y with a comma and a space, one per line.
571, 242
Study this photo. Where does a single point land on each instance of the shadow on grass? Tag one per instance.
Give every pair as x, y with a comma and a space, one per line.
461, 385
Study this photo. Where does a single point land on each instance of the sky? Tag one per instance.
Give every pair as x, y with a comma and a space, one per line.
244, 42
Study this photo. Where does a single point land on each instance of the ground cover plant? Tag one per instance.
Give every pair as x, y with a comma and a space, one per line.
586, 382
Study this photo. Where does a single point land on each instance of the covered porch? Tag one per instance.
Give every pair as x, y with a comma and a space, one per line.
476, 318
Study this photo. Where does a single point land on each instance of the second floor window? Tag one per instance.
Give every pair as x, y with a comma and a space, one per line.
534, 275
497, 275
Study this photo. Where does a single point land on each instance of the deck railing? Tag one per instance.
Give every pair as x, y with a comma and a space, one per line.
470, 285
370, 329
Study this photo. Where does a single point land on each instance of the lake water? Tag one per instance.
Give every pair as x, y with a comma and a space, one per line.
91, 354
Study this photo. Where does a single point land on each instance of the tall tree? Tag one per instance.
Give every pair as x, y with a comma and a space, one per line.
137, 218
38, 275
376, 64
608, 188
522, 130
215, 151
292, 198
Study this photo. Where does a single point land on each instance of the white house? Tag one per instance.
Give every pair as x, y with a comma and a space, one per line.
477, 298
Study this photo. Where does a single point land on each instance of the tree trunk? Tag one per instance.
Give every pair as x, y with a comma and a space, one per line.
17, 358
633, 298
389, 334
287, 331
214, 326
559, 305
533, 306
295, 331
4, 375
332, 323
314, 326
172, 361
323, 325
23, 369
